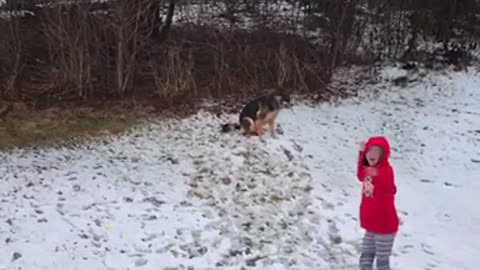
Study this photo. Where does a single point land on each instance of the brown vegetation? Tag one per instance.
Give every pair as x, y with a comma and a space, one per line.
122, 48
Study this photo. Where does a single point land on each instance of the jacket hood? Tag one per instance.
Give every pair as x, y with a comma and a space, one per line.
382, 142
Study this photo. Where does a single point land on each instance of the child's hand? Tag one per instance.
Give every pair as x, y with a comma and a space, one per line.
371, 171
362, 146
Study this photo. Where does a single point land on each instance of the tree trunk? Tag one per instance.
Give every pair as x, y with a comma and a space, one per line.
168, 20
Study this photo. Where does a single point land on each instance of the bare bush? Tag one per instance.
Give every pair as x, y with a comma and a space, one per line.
67, 30
201, 62
173, 76
132, 27
11, 48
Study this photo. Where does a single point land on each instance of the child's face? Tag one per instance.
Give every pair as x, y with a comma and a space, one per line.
374, 154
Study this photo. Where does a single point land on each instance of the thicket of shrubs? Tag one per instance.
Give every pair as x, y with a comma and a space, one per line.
82, 49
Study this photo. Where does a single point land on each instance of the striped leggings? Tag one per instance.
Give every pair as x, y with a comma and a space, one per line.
376, 246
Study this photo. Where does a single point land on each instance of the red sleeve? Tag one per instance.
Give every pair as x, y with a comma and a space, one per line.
385, 181
360, 167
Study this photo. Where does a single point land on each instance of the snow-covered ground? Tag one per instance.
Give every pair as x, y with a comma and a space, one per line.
181, 195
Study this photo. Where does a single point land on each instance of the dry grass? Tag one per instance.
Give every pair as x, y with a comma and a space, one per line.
22, 126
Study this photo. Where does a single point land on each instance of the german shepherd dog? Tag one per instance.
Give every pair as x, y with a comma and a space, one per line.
257, 114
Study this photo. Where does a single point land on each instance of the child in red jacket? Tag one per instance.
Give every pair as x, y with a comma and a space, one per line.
378, 214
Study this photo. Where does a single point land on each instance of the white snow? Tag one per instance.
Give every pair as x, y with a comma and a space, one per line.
182, 195
280, 16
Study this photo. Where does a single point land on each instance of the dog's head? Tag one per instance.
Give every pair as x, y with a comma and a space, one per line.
282, 95
283, 99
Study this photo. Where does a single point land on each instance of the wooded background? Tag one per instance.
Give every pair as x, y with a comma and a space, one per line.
177, 48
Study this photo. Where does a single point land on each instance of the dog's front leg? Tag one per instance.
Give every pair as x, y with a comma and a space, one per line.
272, 126
259, 128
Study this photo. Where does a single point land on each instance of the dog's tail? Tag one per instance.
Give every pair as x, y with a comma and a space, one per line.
228, 127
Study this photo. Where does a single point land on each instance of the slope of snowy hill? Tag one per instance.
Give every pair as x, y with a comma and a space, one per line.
181, 195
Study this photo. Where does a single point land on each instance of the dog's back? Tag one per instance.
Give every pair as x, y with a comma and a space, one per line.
260, 110
258, 107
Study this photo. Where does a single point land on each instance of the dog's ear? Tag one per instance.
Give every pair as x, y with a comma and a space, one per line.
283, 93
283, 98
278, 99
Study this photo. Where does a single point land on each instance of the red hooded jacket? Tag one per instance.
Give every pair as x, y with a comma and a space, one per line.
378, 213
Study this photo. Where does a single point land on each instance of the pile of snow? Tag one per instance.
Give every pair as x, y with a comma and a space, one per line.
182, 195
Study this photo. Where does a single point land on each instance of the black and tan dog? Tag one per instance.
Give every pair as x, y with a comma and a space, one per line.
257, 114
